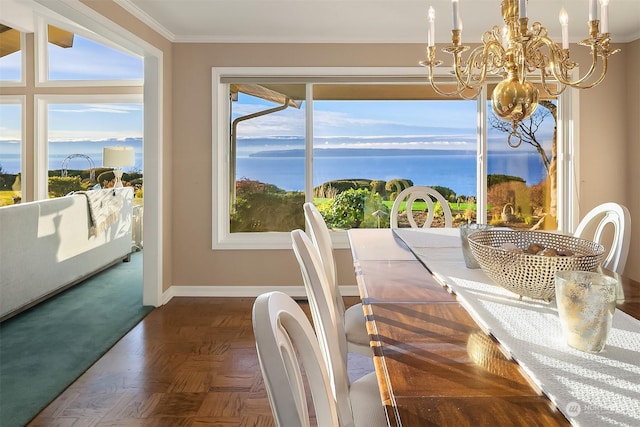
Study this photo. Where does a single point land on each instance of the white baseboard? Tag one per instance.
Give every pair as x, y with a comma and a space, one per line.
242, 291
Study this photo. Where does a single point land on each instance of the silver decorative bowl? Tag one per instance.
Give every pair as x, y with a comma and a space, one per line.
501, 255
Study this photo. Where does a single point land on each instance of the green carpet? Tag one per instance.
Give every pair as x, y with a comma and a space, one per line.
46, 348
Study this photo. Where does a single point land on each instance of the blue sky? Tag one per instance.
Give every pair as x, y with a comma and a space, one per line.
70, 122
103, 63
369, 124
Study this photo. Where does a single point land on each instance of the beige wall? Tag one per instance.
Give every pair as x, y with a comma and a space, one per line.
608, 142
633, 154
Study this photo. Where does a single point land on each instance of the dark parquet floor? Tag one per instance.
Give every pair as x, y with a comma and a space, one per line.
191, 362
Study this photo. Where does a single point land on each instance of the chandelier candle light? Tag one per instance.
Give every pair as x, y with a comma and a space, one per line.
117, 157
513, 52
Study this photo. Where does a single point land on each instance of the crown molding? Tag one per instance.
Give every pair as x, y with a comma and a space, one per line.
146, 19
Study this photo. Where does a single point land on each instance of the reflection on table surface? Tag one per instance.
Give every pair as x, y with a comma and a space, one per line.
435, 365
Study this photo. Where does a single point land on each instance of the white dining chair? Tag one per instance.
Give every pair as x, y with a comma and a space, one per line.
593, 226
424, 193
281, 331
353, 317
359, 403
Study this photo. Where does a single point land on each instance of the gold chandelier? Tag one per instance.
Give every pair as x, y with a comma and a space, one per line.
516, 51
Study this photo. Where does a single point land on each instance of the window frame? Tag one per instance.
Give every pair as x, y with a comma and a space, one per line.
223, 239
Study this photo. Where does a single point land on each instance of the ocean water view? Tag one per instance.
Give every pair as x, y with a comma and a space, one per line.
456, 171
280, 161
59, 151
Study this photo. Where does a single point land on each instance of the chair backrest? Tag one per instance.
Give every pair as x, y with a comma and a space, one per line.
424, 193
620, 219
321, 238
330, 332
282, 330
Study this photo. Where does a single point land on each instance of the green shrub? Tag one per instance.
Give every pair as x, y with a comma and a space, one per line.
379, 187
329, 189
325, 191
354, 208
7, 180
395, 186
446, 192
265, 207
59, 186
498, 179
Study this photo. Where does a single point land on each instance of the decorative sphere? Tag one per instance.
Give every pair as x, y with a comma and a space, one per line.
513, 101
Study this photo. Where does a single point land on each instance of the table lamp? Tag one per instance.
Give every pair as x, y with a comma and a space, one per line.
117, 157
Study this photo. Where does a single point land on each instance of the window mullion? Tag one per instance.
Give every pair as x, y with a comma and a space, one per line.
481, 156
308, 132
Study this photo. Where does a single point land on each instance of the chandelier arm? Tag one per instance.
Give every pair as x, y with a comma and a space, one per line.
561, 65
595, 82
483, 58
549, 88
434, 86
457, 92
431, 62
470, 98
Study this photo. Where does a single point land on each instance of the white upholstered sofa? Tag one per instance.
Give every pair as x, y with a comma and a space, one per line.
49, 245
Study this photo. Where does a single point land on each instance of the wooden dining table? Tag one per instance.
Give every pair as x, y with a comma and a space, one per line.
435, 364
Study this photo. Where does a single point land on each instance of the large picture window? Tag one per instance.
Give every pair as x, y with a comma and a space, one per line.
350, 143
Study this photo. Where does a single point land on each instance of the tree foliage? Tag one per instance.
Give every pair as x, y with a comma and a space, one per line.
495, 179
528, 129
354, 208
61, 186
395, 186
265, 207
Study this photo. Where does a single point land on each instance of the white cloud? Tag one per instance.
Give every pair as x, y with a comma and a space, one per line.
98, 108
91, 135
397, 144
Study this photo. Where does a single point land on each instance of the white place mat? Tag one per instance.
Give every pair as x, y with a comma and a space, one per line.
590, 389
